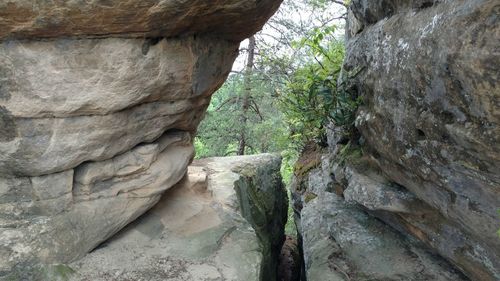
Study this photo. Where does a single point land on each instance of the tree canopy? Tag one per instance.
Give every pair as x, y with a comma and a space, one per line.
285, 88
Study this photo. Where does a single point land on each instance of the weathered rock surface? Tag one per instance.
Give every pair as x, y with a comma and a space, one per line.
60, 217
224, 221
230, 19
342, 242
429, 127
69, 101
416, 217
432, 113
99, 101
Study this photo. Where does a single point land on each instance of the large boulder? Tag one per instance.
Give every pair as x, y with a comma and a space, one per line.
66, 101
99, 101
60, 217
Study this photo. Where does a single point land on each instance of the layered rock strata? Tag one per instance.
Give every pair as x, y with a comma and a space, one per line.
99, 101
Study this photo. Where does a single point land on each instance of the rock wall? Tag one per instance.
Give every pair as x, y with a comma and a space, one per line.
428, 131
98, 104
342, 242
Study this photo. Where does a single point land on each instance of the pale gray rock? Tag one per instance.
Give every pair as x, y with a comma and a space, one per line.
59, 223
99, 101
104, 76
220, 222
89, 100
53, 185
401, 209
374, 192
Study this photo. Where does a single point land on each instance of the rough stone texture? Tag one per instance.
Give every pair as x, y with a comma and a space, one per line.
59, 223
99, 101
401, 209
372, 191
430, 118
70, 101
224, 221
342, 242
230, 19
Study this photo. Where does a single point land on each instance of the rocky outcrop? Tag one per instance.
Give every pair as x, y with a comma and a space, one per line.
341, 241
427, 72
61, 216
98, 104
431, 117
231, 19
224, 221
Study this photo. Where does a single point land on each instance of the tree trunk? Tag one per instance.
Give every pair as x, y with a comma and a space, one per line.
247, 84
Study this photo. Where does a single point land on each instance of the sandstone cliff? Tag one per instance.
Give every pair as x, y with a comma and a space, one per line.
429, 136
99, 101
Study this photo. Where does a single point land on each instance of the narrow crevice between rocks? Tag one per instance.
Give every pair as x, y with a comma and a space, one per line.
265, 212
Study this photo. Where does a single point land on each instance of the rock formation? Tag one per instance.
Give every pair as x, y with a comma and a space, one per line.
428, 131
224, 221
98, 104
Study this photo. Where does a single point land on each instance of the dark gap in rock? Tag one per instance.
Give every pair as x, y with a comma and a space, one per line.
421, 135
448, 117
101, 246
148, 42
343, 141
426, 4
474, 206
360, 30
154, 41
453, 197
445, 138
290, 261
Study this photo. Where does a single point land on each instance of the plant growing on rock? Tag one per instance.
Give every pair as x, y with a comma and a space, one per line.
316, 96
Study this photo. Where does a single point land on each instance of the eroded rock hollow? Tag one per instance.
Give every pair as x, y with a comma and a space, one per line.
99, 101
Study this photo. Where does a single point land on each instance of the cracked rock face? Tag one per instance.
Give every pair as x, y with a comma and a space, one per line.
98, 104
213, 225
342, 242
431, 115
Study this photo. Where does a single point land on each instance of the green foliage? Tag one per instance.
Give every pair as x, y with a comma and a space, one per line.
200, 148
293, 89
219, 133
498, 232
290, 227
313, 97
58, 272
289, 157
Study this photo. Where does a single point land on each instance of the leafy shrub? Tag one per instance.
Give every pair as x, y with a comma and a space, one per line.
314, 97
